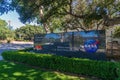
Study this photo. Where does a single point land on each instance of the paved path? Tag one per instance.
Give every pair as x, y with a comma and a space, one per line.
14, 46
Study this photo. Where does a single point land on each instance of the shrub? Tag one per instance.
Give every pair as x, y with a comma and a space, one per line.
8, 41
27, 49
100, 69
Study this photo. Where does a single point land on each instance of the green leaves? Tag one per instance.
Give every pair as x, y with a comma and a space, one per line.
117, 32
90, 13
27, 32
5, 32
5, 6
101, 69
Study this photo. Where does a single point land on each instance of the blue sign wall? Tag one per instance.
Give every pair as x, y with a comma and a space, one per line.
85, 41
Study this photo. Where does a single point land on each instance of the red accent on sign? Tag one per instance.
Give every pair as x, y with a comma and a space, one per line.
38, 47
97, 42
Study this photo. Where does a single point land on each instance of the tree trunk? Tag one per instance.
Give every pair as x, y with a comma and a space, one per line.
42, 17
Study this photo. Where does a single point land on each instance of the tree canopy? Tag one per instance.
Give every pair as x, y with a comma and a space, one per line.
5, 32
75, 14
27, 32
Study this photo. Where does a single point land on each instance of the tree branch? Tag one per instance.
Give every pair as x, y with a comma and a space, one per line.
112, 21
70, 5
75, 15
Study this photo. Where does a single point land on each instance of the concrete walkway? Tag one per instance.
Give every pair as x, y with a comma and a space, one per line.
14, 46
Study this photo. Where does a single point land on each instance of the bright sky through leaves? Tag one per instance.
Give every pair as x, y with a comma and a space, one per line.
14, 18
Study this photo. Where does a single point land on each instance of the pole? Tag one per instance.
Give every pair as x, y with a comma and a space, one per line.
72, 41
111, 43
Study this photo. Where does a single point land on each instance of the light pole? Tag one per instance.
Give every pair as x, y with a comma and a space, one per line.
20, 36
9, 25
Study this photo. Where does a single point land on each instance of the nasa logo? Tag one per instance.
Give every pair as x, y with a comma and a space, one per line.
91, 46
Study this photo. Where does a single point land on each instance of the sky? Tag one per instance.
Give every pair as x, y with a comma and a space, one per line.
13, 17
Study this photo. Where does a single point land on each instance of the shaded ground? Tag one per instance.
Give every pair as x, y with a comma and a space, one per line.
12, 71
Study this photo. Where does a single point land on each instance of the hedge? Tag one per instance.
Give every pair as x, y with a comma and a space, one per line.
101, 69
27, 49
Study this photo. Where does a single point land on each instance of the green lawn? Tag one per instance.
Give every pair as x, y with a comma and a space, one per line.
12, 71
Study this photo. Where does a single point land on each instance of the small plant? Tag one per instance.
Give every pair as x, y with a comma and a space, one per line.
8, 41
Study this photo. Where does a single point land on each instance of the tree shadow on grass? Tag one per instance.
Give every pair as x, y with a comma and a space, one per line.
12, 71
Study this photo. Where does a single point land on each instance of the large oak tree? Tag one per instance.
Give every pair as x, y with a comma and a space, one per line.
75, 14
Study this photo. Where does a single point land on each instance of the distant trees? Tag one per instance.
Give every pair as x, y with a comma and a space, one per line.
23, 33
27, 32
5, 32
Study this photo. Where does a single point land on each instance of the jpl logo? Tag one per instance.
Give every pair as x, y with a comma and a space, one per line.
91, 46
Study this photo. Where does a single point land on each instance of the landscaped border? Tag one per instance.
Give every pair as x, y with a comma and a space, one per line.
101, 69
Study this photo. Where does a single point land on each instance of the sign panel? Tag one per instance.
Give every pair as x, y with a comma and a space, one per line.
85, 41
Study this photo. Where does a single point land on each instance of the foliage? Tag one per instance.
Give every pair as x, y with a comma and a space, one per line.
75, 14
27, 49
117, 32
5, 32
5, 6
55, 25
101, 69
27, 32
14, 71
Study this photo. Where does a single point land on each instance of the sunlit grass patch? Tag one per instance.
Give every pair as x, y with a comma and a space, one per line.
13, 71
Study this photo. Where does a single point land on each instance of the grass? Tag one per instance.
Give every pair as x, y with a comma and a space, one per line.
13, 71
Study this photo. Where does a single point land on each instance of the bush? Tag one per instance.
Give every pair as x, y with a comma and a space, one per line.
8, 41
100, 69
27, 49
